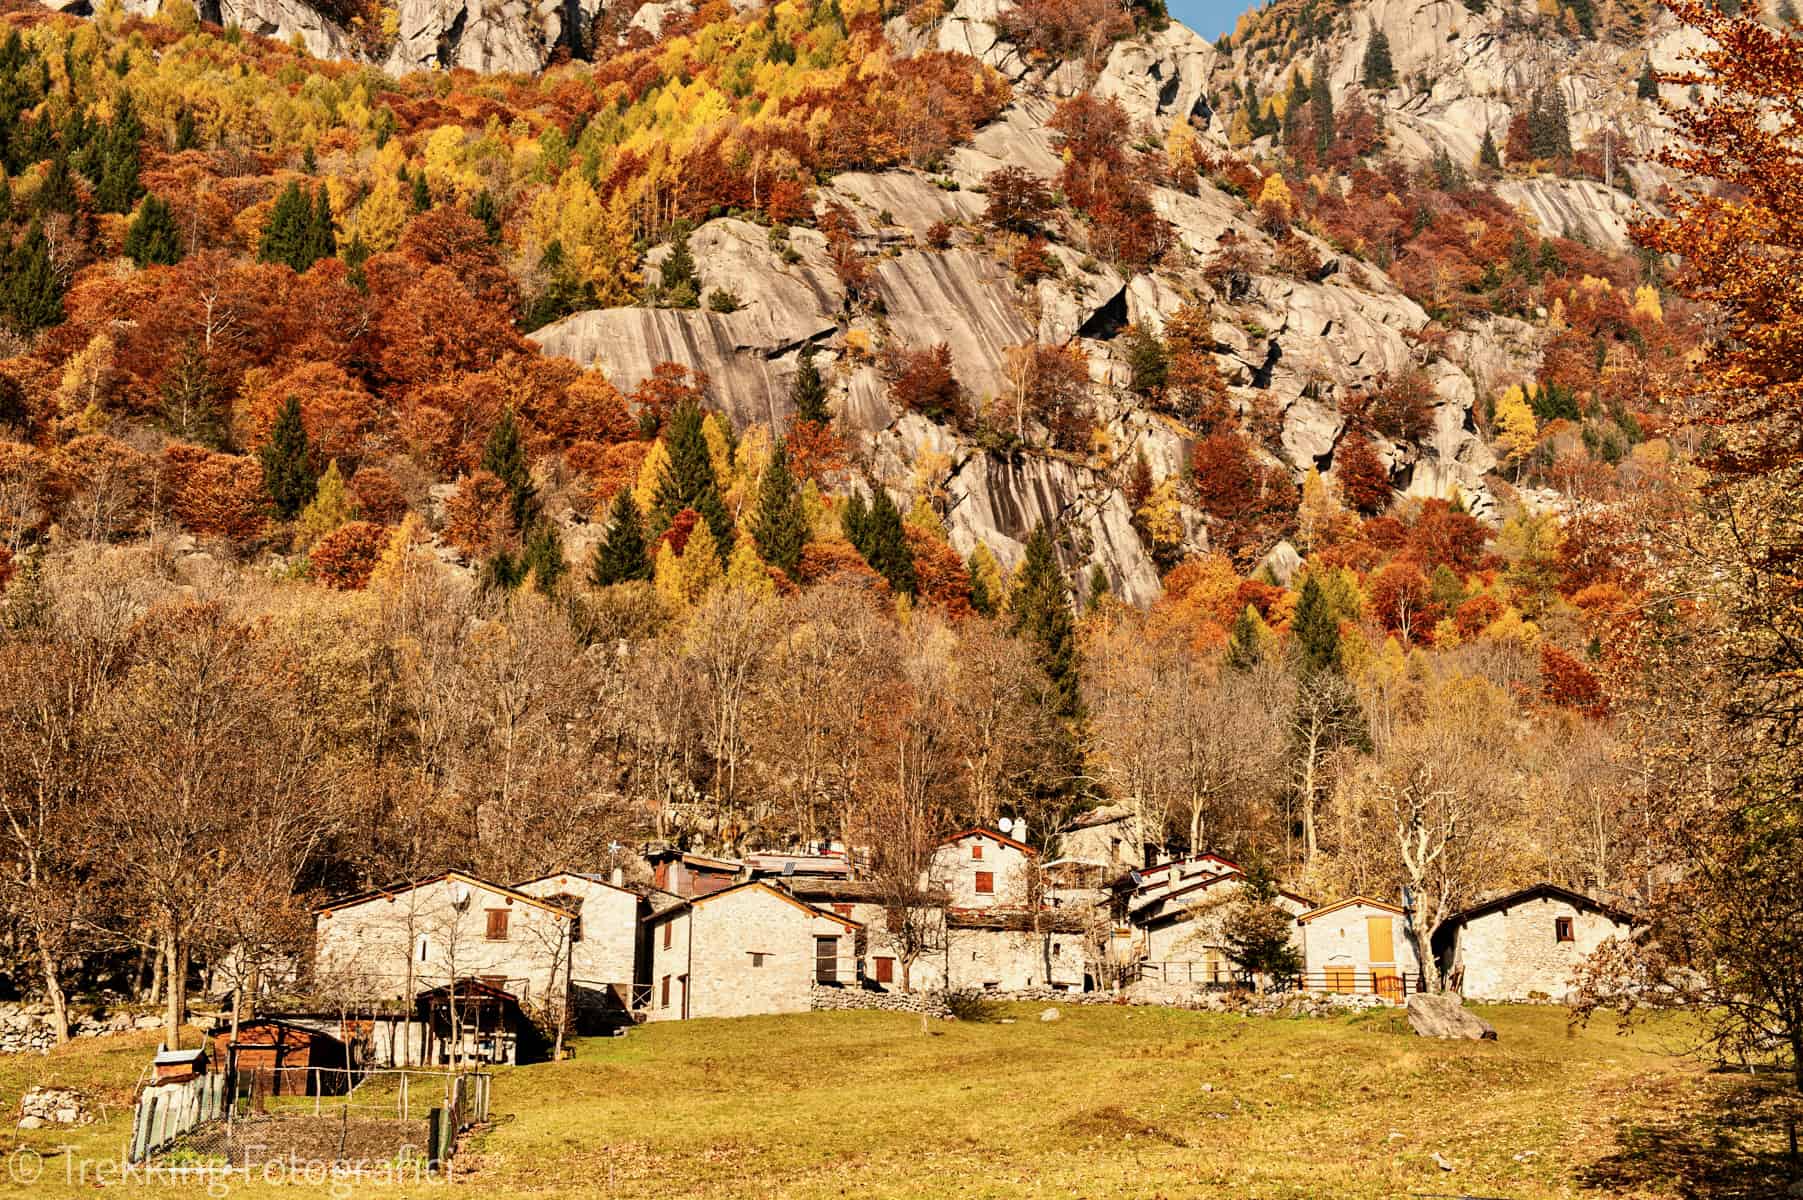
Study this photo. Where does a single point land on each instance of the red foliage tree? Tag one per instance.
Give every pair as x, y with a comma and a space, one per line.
941, 576
1253, 503
479, 516
215, 495
376, 496
1364, 480
922, 381
1476, 614
1402, 602
667, 388
1444, 536
1568, 683
344, 558
1018, 199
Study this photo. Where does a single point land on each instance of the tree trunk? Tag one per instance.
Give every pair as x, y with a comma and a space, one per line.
53, 991
175, 1008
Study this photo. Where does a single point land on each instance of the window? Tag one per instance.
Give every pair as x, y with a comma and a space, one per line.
1057, 949
423, 947
668, 926
985, 883
1562, 929
885, 970
757, 958
843, 910
497, 924
976, 850
666, 992
826, 960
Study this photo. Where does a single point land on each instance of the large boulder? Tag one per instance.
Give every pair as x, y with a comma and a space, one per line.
1439, 1015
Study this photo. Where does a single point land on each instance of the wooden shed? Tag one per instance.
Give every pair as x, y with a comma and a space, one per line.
277, 1058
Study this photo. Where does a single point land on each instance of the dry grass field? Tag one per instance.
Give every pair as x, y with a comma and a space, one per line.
1105, 1102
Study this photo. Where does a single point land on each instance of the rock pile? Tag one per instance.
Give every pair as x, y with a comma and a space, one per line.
53, 1106
25, 1028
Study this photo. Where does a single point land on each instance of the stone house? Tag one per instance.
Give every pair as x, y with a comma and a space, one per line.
998, 950
1358, 945
885, 965
746, 950
604, 938
980, 868
1527, 945
1181, 927
1108, 837
395, 944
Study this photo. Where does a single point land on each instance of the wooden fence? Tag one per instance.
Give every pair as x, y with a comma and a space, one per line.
166, 1111
466, 1104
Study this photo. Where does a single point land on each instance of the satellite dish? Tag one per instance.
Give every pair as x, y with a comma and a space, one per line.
1007, 825
460, 895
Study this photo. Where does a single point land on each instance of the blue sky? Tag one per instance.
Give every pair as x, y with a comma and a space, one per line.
1210, 18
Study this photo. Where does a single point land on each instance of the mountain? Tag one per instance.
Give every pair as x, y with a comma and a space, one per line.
1059, 267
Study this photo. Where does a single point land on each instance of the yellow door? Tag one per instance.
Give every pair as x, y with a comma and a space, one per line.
1383, 942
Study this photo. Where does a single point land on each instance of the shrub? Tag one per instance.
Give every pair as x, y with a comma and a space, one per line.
722, 301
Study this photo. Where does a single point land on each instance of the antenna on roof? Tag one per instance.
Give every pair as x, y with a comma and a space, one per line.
789, 869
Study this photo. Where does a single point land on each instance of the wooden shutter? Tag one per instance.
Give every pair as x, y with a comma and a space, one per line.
497, 924
986, 883
885, 970
826, 960
1382, 938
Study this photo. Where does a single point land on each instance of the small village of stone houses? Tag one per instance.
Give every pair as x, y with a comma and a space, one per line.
901, 599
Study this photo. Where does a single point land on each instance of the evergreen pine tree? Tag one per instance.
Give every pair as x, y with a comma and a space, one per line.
288, 475
808, 391
355, 255
688, 481
485, 210
57, 192
1317, 630
1246, 641
1647, 86
152, 236
321, 242
1320, 103
779, 527
620, 554
187, 134
1098, 587
32, 293
504, 457
286, 236
1378, 73
1487, 154
422, 194
542, 560
980, 599
1042, 614
117, 189
884, 543
678, 286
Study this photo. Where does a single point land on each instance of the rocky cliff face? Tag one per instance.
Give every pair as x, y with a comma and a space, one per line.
1466, 69
1290, 342
1295, 343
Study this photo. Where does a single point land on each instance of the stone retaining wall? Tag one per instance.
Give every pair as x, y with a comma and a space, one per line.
25, 1028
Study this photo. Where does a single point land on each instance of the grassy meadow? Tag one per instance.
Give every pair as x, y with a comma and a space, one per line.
1105, 1102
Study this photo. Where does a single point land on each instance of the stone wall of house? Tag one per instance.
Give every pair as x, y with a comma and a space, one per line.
1515, 954
955, 869
1342, 938
1012, 960
610, 918
753, 952
395, 946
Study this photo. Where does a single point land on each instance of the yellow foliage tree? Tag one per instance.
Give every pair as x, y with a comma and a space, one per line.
382, 216
651, 473
1516, 429
745, 571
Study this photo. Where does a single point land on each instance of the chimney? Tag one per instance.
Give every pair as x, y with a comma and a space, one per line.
1020, 829
617, 877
